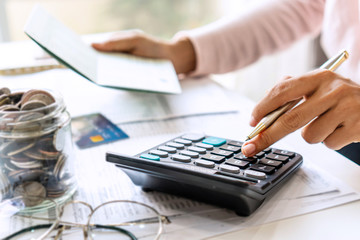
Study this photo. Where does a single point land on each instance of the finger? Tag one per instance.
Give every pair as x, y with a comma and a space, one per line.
320, 128
287, 123
116, 45
339, 138
286, 91
284, 79
124, 41
254, 121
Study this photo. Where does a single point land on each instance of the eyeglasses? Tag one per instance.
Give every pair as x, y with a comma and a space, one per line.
118, 219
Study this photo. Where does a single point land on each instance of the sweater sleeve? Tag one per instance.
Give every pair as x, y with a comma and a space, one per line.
232, 43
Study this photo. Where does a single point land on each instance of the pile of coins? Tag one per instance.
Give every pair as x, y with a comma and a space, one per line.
33, 152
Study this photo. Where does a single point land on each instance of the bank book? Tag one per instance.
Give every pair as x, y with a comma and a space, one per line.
114, 70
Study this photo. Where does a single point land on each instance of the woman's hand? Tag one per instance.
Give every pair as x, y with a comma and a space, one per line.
181, 51
330, 111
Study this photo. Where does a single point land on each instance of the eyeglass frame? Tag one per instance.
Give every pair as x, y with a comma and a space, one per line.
62, 225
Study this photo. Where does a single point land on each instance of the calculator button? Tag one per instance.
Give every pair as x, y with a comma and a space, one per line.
260, 154
222, 153
284, 153
230, 148
189, 153
235, 143
277, 157
183, 141
254, 174
239, 163
150, 157
204, 163
215, 141
206, 146
214, 158
197, 149
243, 157
262, 168
175, 145
194, 137
167, 149
271, 162
267, 150
228, 168
159, 153
181, 158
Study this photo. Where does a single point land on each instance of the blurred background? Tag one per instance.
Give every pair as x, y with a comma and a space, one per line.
162, 18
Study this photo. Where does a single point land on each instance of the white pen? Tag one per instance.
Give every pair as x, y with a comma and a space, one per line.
331, 64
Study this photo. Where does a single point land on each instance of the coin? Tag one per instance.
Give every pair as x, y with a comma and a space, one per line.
59, 139
35, 154
10, 167
33, 104
19, 158
30, 116
18, 147
4, 90
4, 99
43, 97
45, 147
32, 193
15, 97
55, 188
5, 186
43, 94
27, 164
9, 108
22, 175
59, 167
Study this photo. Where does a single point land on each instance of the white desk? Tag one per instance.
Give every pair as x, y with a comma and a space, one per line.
339, 222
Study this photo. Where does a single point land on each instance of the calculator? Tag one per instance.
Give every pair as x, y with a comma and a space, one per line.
210, 169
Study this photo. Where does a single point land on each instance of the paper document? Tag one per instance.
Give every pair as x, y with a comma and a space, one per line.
113, 70
99, 181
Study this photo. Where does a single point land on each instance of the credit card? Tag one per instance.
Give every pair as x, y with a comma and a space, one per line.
94, 129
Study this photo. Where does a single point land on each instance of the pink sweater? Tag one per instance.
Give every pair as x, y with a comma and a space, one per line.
233, 43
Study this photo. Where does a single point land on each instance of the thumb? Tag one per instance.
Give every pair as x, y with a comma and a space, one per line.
108, 46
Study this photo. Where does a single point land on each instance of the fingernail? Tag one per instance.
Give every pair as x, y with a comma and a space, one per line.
249, 149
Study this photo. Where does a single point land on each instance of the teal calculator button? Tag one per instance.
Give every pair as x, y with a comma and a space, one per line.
215, 141
150, 157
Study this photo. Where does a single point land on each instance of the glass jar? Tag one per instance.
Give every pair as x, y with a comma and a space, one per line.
36, 150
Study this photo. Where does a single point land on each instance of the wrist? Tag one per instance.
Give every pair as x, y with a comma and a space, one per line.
182, 54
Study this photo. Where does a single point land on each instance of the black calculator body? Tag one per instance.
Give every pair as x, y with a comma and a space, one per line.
210, 169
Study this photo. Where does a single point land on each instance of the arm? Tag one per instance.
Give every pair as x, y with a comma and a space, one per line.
231, 44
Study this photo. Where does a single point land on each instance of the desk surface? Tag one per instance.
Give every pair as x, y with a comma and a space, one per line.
333, 223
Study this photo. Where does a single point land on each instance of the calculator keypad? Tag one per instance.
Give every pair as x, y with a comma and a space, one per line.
221, 155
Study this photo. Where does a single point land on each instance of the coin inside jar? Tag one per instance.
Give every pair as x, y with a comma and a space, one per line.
32, 193
19, 147
34, 150
34, 104
4, 90
4, 99
38, 95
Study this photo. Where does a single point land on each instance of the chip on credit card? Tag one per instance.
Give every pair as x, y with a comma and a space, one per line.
94, 129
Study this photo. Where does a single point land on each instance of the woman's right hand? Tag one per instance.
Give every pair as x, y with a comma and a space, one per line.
180, 51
